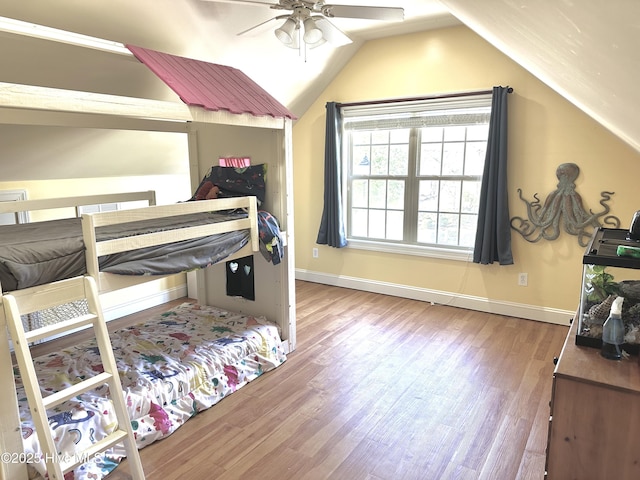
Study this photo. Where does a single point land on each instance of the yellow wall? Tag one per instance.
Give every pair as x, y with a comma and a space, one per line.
544, 131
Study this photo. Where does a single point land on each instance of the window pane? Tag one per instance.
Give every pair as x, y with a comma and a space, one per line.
378, 197
428, 199
361, 137
380, 136
470, 197
399, 160
453, 159
400, 135
474, 158
468, 226
454, 134
450, 196
427, 227
359, 222
478, 132
380, 160
395, 194
395, 225
360, 193
430, 156
361, 160
432, 134
448, 229
377, 223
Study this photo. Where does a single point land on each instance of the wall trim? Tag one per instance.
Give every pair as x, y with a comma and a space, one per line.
145, 302
510, 309
529, 312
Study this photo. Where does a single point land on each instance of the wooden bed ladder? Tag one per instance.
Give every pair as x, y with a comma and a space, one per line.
33, 299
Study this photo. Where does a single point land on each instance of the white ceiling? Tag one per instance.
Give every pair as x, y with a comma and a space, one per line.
585, 50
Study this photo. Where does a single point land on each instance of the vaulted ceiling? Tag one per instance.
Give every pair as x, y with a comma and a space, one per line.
586, 51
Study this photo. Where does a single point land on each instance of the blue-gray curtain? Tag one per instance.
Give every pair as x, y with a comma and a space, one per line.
493, 236
332, 230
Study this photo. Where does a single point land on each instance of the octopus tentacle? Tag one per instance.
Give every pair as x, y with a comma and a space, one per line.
611, 221
532, 207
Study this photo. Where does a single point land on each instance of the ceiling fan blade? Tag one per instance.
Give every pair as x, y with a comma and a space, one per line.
255, 27
390, 14
331, 33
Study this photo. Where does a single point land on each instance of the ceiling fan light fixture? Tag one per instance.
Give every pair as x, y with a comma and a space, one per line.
312, 34
285, 33
322, 41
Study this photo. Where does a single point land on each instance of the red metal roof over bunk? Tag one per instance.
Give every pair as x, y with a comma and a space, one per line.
211, 86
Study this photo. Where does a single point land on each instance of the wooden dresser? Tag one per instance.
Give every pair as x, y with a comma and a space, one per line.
594, 427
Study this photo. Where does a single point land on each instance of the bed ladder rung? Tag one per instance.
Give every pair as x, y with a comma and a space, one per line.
100, 446
56, 464
60, 327
57, 398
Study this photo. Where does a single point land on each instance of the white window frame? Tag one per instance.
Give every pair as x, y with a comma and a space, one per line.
100, 207
13, 196
110, 207
465, 109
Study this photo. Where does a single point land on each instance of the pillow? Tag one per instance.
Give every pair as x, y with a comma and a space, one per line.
233, 182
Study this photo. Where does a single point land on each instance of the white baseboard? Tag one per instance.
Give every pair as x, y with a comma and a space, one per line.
147, 301
530, 312
481, 304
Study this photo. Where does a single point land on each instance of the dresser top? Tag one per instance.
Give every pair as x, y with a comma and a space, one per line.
585, 364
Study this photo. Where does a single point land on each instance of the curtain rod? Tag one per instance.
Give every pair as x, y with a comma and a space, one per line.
414, 99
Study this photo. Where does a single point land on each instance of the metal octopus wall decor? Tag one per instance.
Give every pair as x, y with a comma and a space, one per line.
563, 205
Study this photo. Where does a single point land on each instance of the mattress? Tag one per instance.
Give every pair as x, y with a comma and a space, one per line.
42, 252
172, 366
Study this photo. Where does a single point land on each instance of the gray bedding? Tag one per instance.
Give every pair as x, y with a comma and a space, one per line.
43, 252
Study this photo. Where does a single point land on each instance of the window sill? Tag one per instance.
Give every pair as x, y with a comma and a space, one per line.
421, 251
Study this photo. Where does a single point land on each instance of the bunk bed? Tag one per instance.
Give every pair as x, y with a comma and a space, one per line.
173, 365
265, 325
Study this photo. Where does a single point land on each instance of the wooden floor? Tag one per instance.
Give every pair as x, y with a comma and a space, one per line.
379, 388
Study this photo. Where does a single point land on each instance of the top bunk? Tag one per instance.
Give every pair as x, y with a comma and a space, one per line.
136, 245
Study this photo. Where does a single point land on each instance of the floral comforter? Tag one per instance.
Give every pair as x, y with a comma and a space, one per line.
171, 367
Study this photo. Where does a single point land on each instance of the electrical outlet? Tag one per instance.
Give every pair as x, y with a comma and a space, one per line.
314, 252
523, 279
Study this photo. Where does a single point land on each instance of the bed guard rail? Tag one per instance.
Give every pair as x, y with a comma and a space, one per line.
95, 249
76, 202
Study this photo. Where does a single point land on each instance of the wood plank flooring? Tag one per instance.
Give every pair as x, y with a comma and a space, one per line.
379, 388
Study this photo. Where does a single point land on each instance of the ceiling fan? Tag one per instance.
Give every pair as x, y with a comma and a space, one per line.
308, 22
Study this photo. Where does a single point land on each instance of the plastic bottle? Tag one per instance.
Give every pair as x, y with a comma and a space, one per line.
613, 332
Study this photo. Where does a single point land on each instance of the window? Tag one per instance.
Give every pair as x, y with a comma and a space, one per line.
111, 207
413, 172
11, 218
103, 207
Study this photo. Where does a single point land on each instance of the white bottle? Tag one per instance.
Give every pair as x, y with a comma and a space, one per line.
613, 332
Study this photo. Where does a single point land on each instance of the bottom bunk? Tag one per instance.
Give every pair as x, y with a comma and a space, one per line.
171, 366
